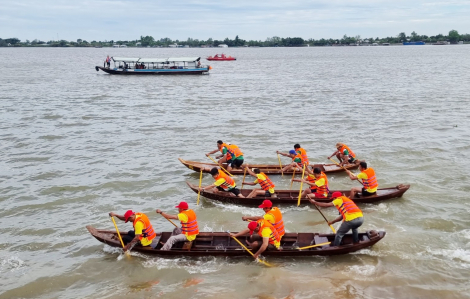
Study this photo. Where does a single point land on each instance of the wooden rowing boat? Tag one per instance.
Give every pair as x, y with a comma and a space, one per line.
221, 244
291, 196
266, 168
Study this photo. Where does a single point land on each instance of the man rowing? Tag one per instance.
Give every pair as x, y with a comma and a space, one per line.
223, 184
189, 227
350, 214
222, 147
266, 238
272, 214
143, 232
318, 183
369, 181
344, 154
302, 152
296, 160
230, 154
267, 186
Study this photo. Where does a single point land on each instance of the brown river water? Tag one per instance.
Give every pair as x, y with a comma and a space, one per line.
76, 144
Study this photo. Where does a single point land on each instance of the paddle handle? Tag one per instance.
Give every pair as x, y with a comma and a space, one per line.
301, 184
280, 164
316, 245
220, 166
331, 226
170, 221
199, 189
292, 181
119, 234
347, 170
244, 247
244, 174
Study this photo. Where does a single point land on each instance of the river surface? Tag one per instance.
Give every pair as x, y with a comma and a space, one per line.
76, 144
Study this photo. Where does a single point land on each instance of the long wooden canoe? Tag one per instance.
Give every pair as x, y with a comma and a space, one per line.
266, 168
221, 244
291, 196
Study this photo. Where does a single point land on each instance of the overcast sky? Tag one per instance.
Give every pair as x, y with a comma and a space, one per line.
251, 20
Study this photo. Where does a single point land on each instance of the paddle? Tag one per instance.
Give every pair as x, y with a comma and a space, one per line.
316, 245
220, 166
292, 181
244, 174
301, 183
280, 164
119, 235
170, 221
244, 247
331, 226
347, 170
199, 189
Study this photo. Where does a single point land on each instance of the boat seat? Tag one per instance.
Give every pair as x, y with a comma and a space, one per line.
319, 240
187, 245
330, 167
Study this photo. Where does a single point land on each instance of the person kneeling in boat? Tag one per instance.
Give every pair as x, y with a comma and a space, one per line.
266, 238
302, 152
344, 154
369, 181
318, 183
143, 231
273, 215
223, 183
296, 160
189, 227
267, 186
223, 148
350, 214
235, 157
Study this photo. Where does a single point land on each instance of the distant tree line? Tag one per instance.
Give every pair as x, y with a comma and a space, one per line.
275, 41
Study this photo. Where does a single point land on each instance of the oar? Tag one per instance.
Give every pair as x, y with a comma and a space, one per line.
301, 183
119, 235
280, 164
244, 174
199, 189
347, 170
220, 166
267, 264
170, 221
316, 245
331, 226
292, 181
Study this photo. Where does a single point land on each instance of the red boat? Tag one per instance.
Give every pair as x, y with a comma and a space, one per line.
222, 57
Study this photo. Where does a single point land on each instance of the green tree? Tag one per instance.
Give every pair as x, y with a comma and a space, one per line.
402, 37
454, 36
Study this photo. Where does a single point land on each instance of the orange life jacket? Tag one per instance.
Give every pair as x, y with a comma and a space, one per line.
234, 151
297, 156
322, 189
222, 149
267, 183
348, 207
147, 231
303, 155
274, 233
371, 181
191, 227
351, 153
229, 182
278, 222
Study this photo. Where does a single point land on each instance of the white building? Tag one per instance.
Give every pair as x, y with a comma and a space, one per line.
222, 46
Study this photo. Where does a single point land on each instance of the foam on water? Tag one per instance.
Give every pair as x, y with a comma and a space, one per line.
361, 272
11, 264
192, 266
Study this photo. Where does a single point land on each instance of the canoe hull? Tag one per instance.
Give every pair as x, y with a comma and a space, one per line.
114, 71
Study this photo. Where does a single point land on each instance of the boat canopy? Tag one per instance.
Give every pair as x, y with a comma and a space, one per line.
125, 59
157, 60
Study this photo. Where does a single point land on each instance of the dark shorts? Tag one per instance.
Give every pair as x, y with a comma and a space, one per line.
267, 193
235, 191
256, 237
237, 163
365, 193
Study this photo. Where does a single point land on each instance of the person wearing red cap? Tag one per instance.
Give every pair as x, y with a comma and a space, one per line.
267, 237
350, 214
272, 214
267, 186
143, 231
189, 227
318, 184
223, 183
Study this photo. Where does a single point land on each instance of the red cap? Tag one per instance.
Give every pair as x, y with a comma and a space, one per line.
252, 226
336, 194
266, 204
128, 214
183, 205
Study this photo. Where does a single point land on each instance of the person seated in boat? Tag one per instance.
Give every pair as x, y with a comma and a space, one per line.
223, 184
189, 228
266, 238
369, 181
302, 152
267, 186
143, 232
296, 161
273, 215
234, 157
344, 154
198, 64
350, 214
318, 183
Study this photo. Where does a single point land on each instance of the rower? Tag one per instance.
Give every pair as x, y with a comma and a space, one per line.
302, 152
344, 154
143, 232
236, 159
273, 215
223, 148
267, 186
189, 227
350, 214
318, 183
296, 160
223, 183
369, 181
266, 238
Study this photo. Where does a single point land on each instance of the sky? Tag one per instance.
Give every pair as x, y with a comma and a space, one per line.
249, 19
